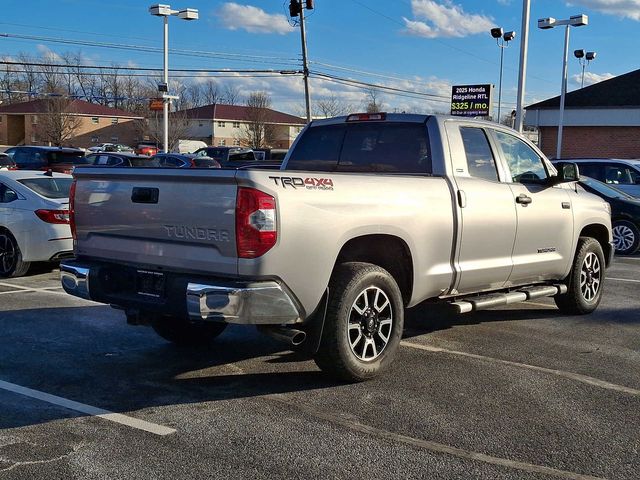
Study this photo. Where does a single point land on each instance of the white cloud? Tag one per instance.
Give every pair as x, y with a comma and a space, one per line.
234, 16
590, 78
48, 54
444, 19
620, 8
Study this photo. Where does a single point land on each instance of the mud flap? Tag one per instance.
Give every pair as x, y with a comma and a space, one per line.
314, 327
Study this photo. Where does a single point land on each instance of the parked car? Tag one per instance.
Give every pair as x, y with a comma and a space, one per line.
34, 219
146, 148
371, 214
622, 174
176, 160
6, 163
228, 156
57, 159
625, 214
110, 147
120, 159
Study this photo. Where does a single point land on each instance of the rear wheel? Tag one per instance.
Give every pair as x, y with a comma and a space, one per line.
186, 333
364, 322
626, 237
585, 282
11, 264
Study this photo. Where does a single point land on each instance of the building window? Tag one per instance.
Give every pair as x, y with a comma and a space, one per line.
236, 124
222, 142
114, 121
236, 142
1, 118
95, 139
200, 124
34, 138
221, 124
114, 139
34, 119
95, 120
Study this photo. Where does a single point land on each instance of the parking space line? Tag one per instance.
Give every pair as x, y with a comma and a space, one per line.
23, 289
560, 373
355, 425
623, 280
13, 291
88, 409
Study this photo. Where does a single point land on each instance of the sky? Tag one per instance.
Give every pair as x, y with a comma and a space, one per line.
413, 45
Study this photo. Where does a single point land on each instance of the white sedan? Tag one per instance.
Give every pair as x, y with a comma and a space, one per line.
34, 219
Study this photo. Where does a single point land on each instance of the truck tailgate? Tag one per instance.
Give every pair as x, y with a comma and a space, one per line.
172, 218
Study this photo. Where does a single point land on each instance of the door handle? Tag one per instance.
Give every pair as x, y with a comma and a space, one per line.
145, 195
523, 199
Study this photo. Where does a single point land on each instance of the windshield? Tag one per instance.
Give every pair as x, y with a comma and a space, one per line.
49, 187
67, 157
604, 189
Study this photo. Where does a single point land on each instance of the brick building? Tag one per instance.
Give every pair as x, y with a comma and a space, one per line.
600, 121
223, 125
22, 123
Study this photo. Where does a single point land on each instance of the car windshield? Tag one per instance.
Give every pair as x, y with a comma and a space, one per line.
49, 187
75, 158
606, 190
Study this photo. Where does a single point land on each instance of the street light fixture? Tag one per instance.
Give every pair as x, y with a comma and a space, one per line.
585, 58
548, 23
502, 40
165, 11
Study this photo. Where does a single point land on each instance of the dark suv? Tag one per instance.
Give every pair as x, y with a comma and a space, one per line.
57, 159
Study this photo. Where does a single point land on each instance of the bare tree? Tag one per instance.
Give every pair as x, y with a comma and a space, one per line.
331, 107
9, 83
231, 95
58, 124
195, 96
212, 93
258, 132
29, 77
373, 101
152, 127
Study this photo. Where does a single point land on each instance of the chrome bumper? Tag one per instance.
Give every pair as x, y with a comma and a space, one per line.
251, 303
75, 280
260, 303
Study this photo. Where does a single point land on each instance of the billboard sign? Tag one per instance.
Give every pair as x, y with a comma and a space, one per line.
471, 100
156, 104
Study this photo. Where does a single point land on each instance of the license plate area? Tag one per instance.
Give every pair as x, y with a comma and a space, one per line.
150, 284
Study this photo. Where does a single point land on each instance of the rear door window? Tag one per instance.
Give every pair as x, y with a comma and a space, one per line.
66, 157
480, 160
617, 174
28, 159
363, 147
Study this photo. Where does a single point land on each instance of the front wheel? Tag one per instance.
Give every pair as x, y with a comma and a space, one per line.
183, 332
585, 282
363, 324
626, 237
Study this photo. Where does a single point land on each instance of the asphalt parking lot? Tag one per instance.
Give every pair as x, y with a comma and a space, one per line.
516, 392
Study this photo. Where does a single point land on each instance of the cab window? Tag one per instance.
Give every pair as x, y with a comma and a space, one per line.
525, 165
480, 161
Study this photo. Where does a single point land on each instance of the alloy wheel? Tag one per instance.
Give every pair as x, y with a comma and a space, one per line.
370, 324
8, 254
623, 238
590, 277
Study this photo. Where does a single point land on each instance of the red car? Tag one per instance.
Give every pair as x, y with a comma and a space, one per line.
56, 159
148, 149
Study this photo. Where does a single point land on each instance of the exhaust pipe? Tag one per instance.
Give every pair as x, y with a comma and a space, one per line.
290, 336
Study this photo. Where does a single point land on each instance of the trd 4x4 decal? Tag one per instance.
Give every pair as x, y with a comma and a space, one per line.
310, 183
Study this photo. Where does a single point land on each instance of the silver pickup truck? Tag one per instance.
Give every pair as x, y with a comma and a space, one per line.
368, 215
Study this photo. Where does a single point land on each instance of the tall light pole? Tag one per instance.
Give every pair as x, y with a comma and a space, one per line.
296, 8
522, 74
545, 24
165, 11
585, 58
502, 40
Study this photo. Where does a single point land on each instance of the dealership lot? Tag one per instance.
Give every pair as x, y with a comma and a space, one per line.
516, 392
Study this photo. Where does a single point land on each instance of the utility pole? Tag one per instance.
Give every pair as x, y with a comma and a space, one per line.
522, 75
297, 7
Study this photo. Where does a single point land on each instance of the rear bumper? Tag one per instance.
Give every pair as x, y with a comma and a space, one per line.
204, 299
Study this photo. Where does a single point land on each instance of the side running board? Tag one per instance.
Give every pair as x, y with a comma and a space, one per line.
483, 302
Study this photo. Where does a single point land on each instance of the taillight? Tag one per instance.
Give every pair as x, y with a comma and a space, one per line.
72, 209
53, 216
256, 230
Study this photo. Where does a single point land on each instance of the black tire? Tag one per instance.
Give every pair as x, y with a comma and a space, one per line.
586, 280
11, 264
626, 237
354, 287
186, 333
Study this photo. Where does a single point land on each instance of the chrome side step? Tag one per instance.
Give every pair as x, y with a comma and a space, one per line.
483, 302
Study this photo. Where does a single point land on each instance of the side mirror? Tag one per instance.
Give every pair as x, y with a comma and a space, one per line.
567, 172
